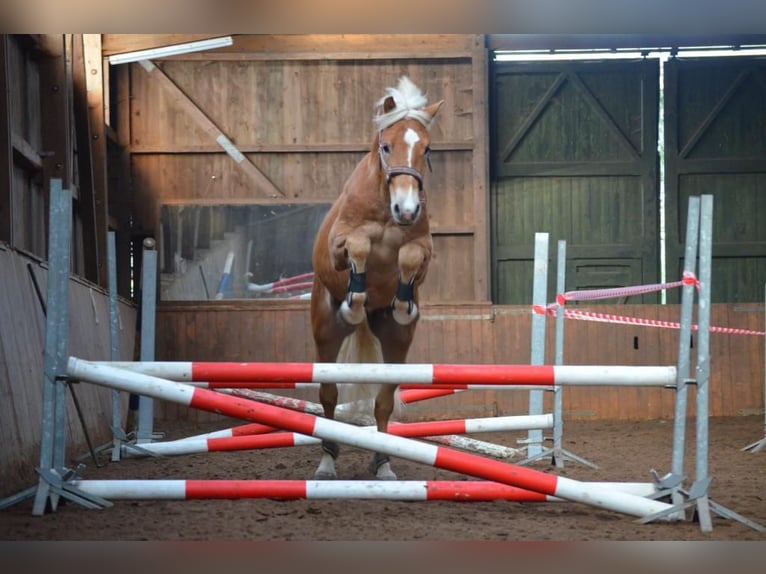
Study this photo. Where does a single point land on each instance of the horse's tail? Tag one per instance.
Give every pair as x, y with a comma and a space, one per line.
362, 346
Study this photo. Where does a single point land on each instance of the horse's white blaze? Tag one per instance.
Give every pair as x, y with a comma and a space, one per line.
411, 137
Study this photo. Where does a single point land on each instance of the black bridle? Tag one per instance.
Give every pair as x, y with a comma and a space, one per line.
392, 172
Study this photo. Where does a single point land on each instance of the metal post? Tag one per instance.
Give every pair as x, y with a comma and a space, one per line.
118, 433
148, 310
53, 435
539, 297
684, 352
698, 496
558, 452
703, 360
558, 403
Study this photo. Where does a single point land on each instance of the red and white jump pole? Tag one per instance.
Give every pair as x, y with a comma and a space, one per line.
428, 391
457, 441
409, 449
305, 406
410, 490
288, 439
345, 413
422, 374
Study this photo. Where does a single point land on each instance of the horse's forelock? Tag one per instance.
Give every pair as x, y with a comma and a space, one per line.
409, 102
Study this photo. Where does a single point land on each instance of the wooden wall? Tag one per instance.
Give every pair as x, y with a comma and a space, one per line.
23, 290
482, 333
300, 109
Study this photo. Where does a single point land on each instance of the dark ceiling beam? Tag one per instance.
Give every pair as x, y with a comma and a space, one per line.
617, 41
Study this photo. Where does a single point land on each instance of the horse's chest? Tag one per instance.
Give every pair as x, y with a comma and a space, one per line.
385, 249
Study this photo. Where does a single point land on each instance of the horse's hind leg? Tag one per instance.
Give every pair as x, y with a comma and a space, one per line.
384, 407
328, 396
329, 334
395, 340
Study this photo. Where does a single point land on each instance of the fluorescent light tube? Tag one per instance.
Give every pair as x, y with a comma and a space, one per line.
174, 50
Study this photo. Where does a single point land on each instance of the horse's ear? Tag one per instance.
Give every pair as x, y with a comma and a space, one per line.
388, 104
433, 109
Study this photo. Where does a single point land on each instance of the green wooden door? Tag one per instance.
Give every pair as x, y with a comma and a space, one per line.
575, 155
715, 143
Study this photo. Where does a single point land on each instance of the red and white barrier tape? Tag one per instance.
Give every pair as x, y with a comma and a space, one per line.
610, 318
594, 294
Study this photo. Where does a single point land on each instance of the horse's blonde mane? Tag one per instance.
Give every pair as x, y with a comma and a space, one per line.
409, 103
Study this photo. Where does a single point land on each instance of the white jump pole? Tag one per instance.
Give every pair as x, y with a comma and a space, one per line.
408, 490
413, 373
288, 439
409, 449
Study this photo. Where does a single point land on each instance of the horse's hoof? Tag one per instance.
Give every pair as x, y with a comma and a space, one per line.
352, 315
380, 466
325, 475
404, 312
326, 468
385, 472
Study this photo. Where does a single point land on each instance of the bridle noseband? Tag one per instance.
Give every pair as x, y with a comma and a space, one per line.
392, 172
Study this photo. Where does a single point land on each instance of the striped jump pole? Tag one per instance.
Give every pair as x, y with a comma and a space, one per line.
463, 442
423, 374
409, 449
406, 490
420, 429
288, 439
345, 412
424, 391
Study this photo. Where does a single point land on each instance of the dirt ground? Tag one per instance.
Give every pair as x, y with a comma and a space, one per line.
623, 451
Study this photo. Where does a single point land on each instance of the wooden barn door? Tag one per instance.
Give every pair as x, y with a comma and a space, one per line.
715, 143
575, 155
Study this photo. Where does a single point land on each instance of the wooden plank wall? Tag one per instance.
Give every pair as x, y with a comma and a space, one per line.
300, 110
479, 333
22, 339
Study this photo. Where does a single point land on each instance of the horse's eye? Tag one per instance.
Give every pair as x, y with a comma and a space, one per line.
428, 149
386, 148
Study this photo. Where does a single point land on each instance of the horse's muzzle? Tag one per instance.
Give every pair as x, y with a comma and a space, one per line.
405, 216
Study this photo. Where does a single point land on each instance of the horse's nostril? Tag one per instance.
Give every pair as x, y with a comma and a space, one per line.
396, 208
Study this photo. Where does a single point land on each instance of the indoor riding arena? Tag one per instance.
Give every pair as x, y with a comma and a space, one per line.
422, 287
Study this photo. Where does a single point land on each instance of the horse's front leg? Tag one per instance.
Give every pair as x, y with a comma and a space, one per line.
413, 263
356, 250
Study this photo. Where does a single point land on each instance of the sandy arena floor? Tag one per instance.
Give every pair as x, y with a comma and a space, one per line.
623, 451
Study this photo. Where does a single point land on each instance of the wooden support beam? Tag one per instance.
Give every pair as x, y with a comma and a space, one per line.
262, 184
252, 47
121, 189
204, 230
55, 68
121, 43
6, 146
86, 183
188, 235
319, 147
94, 78
23, 149
480, 104
54, 96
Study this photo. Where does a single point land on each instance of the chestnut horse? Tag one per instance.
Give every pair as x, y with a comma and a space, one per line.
370, 255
